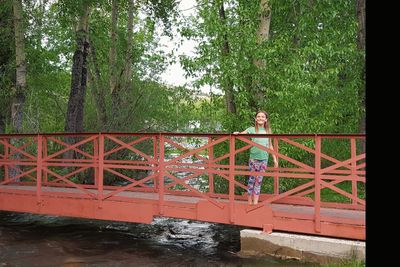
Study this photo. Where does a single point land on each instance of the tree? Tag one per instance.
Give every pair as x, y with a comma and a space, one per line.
257, 91
7, 59
20, 62
291, 64
227, 81
129, 46
74, 119
361, 47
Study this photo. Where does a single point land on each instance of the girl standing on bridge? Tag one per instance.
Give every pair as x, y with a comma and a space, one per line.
258, 160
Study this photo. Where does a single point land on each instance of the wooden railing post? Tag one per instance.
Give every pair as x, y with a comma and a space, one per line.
353, 165
39, 166
317, 180
156, 155
96, 160
232, 177
100, 168
161, 170
44, 148
210, 161
6, 153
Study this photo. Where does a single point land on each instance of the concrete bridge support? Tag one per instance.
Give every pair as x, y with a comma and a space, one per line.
302, 247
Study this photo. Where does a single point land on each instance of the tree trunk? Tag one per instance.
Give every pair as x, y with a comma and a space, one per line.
361, 24
20, 84
74, 120
98, 91
361, 46
263, 28
113, 48
113, 70
127, 71
120, 75
257, 92
227, 84
126, 84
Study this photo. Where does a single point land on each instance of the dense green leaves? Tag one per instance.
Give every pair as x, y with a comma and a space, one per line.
7, 61
311, 79
312, 71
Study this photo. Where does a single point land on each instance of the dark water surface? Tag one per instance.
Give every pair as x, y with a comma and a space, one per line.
37, 240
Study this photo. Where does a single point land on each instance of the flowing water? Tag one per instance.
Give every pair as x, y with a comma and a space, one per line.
37, 240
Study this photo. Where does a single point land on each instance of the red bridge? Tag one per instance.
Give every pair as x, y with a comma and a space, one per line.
318, 188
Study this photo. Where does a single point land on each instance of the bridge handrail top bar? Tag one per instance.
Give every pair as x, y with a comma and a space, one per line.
296, 135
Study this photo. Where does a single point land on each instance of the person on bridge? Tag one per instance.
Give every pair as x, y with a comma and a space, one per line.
258, 160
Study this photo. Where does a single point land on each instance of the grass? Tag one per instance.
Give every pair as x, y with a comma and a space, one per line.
346, 263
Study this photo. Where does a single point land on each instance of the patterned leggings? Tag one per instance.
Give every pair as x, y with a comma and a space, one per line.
254, 183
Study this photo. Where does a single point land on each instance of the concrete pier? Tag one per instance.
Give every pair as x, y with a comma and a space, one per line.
302, 247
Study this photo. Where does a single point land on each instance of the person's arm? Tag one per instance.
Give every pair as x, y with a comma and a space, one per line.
273, 155
244, 132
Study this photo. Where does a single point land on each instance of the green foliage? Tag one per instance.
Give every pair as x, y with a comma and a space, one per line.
165, 10
346, 263
45, 109
312, 72
7, 61
310, 82
50, 44
311, 77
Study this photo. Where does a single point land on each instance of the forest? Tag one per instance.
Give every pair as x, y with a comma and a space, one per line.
96, 65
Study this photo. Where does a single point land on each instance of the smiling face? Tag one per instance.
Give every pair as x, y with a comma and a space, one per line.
261, 119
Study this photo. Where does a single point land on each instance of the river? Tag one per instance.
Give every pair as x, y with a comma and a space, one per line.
38, 240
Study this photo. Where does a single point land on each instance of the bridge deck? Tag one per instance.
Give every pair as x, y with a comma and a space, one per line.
284, 216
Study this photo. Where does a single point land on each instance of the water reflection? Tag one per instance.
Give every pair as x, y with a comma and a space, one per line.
37, 240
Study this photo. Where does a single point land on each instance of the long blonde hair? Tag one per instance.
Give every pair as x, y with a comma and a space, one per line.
266, 124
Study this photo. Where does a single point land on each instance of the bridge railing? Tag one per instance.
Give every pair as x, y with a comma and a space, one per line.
318, 170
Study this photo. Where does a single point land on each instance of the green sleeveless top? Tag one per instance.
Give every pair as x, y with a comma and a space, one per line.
255, 152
